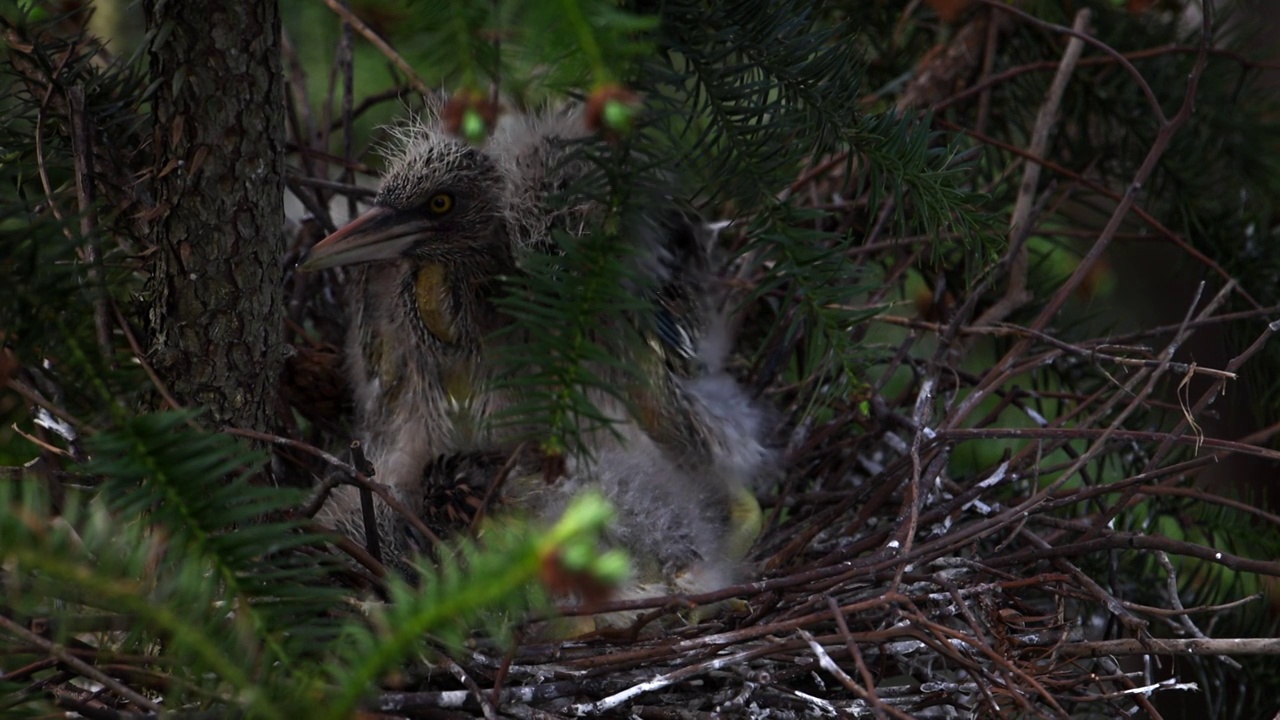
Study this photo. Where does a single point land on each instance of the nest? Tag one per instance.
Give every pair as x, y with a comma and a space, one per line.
886, 587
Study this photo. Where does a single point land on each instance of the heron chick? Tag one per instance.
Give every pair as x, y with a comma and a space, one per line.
426, 261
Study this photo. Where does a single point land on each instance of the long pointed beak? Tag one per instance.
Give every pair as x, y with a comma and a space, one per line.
379, 234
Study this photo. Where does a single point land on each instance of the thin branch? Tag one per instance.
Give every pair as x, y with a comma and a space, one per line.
374, 39
1020, 224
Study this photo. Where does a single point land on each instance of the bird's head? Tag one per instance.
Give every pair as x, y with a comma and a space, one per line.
439, 202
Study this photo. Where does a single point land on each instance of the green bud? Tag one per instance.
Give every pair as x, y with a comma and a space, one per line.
611, 567
553, 446
618, 115
588, 512
577, 555
473, 127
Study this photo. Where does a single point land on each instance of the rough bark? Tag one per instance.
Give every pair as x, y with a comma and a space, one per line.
217, 178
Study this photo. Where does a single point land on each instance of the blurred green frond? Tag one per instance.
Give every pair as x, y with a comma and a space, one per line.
489, 583
235, 608
198, 487
91, 562
579, 310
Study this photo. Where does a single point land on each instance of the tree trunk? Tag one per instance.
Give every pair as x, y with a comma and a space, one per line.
218, 175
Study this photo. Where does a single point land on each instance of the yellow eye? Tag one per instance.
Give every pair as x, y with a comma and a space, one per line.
440, 203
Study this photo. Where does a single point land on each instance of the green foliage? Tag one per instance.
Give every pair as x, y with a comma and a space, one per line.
581, 310
560, 324
213, 619
231, 599
155, 468
737, 101
494, 580
52, 287
747, 96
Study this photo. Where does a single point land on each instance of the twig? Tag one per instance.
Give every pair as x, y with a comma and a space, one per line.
1241, 647
1087, 433
141, 357
368, 34
1080, 35
35, 399
80, 666
481, 697
354, 476
82, 156
1020, 225
1008, 330
1175, 600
